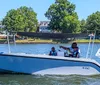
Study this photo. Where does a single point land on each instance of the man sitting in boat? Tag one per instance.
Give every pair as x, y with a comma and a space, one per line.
53, 52
74, 50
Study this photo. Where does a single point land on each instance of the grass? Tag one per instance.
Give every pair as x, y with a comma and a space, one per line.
86, 41
48, 41
3, 41
35, 41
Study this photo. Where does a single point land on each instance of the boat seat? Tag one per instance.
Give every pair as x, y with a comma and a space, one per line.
60, 54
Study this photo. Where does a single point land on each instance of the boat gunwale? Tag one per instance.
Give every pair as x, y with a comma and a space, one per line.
86, 60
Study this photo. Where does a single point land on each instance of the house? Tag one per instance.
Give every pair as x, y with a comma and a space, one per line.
43, 26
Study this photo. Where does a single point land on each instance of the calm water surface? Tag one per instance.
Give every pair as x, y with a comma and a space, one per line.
13, 79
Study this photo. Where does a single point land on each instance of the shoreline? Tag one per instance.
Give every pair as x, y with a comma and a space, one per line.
42, 41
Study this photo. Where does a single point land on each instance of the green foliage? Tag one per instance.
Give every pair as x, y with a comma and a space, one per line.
0, 22
82, 26
1, 27
21, 20
63, 17
93, 21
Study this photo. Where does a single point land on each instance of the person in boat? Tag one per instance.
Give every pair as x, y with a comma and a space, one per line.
73, 50
53, 52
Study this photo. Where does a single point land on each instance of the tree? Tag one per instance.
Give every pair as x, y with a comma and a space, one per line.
93, 21
30, 20
82, 26
63, 17
0, 22
21, 20
13, 21
1, 27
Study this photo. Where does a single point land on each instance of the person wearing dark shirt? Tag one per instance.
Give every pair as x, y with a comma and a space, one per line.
74, 50
53, 52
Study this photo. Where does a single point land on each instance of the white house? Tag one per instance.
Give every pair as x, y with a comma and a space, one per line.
43, 26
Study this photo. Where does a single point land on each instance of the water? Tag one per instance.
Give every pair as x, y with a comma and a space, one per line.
20, 79
45, 48
49, 80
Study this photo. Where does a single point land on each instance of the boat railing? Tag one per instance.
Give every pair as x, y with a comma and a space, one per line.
91, 44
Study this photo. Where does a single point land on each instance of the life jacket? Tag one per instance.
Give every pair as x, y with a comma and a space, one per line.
53, 53
74, 52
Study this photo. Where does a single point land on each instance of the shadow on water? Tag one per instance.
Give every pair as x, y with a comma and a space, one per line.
13, 79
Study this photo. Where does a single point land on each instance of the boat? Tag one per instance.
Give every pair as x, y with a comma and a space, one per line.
48, 65
43, 64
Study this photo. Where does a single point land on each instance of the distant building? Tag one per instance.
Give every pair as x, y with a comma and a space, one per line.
43, 26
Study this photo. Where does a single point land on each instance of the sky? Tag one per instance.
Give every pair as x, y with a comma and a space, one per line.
84, 8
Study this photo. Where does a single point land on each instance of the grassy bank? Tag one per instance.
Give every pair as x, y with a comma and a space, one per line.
2, 41
34, 41
86, 41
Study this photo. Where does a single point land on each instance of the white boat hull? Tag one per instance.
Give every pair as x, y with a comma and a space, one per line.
79, 70
52, 65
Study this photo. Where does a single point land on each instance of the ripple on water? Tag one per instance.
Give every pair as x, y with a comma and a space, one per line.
49, 80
